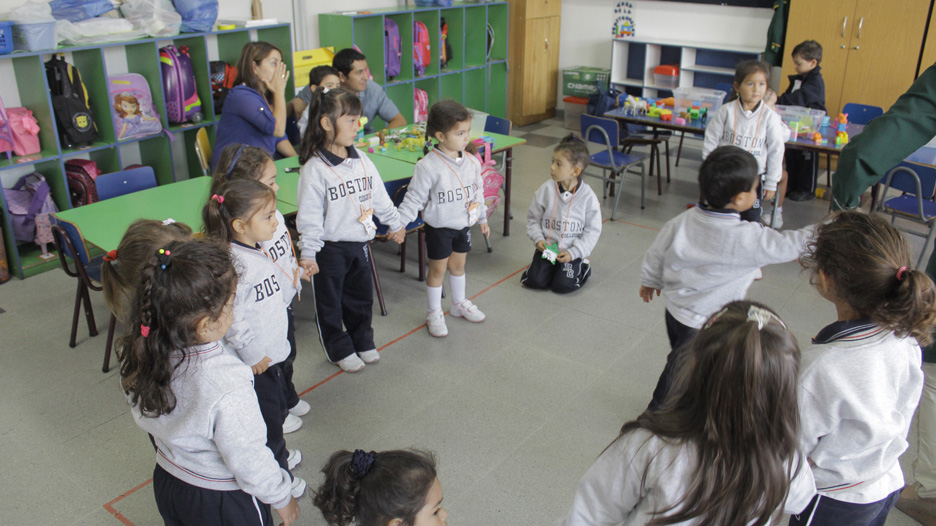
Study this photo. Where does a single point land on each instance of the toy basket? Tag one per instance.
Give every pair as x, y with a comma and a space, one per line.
34, 37
6, 37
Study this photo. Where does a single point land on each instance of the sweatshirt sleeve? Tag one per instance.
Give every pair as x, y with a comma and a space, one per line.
651, 271
535, 216
610, 489
774, 246
240, 436
417, 193
583, 245
383, 205
777, 135
714, 131
310, 219
240, 337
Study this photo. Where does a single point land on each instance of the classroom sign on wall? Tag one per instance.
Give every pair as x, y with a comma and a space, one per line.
624, 26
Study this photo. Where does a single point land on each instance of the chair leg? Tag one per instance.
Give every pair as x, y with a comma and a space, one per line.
89, 312
373, 269
828, 173
656, 149
421, 241
74, 329
112, 326
403, 255
643, 185
666, 144
679, 149
617, 198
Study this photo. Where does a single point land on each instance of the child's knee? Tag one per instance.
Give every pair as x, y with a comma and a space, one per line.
456, 263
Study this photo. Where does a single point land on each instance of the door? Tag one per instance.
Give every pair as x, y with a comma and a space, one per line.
552, 61
540, 65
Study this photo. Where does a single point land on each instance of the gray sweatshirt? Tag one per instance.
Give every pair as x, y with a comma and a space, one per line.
572, 219
260, 319
215, 437
331, 194
443, 188
859, 386
280, 250
704, 258
761, 132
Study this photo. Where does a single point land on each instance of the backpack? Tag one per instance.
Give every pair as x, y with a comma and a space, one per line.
392, 52
434, 3
25, 130
81, 174
223, 76
70, 103
445, 49
6, 132
132, 106
421, 47
491, 179
602, 100
420, 105
182, 102
29, 199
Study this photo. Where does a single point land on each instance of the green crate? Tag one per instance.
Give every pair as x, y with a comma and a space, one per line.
580, 81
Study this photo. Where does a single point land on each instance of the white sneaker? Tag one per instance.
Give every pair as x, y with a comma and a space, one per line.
292, 423
298, 487
351, 364
767, 216
370, 356
294, 458
300, 409
435, 321
467, 310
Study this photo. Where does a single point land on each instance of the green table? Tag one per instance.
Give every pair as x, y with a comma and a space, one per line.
391, 170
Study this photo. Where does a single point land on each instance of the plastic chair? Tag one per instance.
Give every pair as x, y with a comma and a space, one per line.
917, 183
203, 150
858, 114
125, 182
604, 131
70, 245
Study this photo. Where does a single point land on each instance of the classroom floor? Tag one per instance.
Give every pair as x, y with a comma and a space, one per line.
515, 408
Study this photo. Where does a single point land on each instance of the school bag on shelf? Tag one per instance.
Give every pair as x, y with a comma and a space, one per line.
420, 105
6, 133
422, 48
29, 199
445, 48
182, 102
132, 106
223, 76
81, 174
25, 130
70, 104
434, 3
392, 50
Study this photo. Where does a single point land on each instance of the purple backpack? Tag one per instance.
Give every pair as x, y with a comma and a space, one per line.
182, 102
132, 106
28, 199
392, 51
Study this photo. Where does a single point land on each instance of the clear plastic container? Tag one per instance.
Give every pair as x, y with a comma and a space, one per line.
665, 81
574, 107
707, 98
34, 37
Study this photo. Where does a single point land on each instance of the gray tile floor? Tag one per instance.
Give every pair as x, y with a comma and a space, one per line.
516, 408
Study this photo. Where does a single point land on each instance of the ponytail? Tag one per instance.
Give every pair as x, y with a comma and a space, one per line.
337, 496
237, 199
331, 105
908, 310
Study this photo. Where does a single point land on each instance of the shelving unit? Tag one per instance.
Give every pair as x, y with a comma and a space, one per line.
172, 154
701, 64
470, 76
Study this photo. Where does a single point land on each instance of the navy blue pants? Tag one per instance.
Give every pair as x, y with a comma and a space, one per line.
753, 214
344, 299
831, 512
679, 338
292, 398
182, 504
271, 395
561, 278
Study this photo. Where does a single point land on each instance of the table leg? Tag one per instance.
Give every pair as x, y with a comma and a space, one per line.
508, 165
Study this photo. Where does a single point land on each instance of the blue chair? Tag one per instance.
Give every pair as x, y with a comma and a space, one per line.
861, 113
604, 131
70, 246
917, 184
125, 182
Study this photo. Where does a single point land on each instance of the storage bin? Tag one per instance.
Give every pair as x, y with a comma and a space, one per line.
34, 37
707, 98
6, 37
573, 108
666, 76
580, 80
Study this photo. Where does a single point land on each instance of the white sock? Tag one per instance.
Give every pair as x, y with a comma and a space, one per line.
435, 298
779, 209
458, 288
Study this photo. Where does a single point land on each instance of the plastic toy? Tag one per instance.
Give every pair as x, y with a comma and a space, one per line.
383, 148
653, 112
370, 150
551, 252
841, 138
817, 137
666, 117
679, 121
669, 101
694, 114
794, 130
382, 137
360, 134
842, 121
665, 112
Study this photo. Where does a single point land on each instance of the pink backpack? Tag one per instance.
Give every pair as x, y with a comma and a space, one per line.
25, 129
422, 45
6, 133
420, 105
491, 178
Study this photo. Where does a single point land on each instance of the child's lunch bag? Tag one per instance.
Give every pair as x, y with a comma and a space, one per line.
81, 174
182, 102
420, 105
132, 106
25, 130
223, 76
392, 51
29, 198
70, 104
422, 48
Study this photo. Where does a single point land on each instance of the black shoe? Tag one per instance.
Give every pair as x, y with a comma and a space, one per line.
800, 195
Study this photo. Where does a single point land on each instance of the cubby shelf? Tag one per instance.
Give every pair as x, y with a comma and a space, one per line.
472, 76
170, 153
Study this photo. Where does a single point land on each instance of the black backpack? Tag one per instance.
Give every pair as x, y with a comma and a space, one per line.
70, 103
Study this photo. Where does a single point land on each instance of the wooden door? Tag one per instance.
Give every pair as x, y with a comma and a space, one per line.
883, 52
536, 67
552, 61
828, 22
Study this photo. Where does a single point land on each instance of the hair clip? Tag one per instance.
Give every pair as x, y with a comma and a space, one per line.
361, 463
168, 221
144, 330
111, 256
714, 318
230, 169
900, 273
162, 255
762, 317
218, 198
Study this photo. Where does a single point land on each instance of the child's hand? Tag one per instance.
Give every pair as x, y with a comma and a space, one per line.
769, 194
278, 83
541, 245
309, 267
564, 257
261, 366
290, 513
398, 236
486, 230
770, 98
646, 293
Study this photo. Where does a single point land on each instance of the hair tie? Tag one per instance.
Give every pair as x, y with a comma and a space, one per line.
144, 330
168, 221
230, 169
111, 256
361, 463
762, 317
162, 256
218, 198
900, 273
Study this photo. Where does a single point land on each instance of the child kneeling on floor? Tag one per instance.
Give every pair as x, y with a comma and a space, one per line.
564, 221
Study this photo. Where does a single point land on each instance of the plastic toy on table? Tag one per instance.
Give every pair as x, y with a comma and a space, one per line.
817, 138
360, 133
794, 130
666, 117
679, 121
842, 122
841, 138
654, 111
694, 114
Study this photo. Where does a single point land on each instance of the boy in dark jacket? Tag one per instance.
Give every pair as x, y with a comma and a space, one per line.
806, 89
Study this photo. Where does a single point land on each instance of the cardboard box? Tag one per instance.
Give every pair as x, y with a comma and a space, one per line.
305, 61
580, 81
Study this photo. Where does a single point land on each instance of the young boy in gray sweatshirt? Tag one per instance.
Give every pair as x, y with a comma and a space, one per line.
707, 256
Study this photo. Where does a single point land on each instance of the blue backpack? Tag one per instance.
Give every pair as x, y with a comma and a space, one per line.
392, 51
602, 100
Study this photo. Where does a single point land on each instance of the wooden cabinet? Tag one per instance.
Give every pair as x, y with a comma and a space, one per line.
534, 73
870, 48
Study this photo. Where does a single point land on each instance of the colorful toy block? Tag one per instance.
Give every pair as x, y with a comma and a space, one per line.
679, 121
694, 114
666, 117
841, 138
653, 112
817, 137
